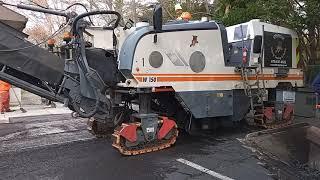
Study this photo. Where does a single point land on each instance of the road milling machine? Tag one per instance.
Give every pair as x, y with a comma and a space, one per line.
144, 82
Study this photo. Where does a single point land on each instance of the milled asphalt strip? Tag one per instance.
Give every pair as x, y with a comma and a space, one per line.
203, 169
43, 141
43, 118
36, 129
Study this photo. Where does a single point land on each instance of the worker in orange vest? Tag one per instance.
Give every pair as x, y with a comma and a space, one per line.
4, 96
186, 16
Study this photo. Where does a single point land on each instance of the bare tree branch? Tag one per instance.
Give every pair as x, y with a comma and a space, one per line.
298, 3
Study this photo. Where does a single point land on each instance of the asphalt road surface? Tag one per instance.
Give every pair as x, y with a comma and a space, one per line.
59, 147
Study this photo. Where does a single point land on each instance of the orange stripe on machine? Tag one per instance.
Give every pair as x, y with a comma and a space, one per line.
206, 77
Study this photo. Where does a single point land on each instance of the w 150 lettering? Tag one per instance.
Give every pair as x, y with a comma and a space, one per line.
150, 79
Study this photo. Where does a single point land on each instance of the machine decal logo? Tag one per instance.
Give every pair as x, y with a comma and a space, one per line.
194, 41
279, 50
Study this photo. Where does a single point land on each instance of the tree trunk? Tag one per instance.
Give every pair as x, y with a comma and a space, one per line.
313, 46
227, 9
206, 6
134, 11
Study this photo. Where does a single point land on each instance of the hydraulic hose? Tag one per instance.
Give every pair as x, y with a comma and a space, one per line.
82, 59
37, 9
82, 5
76, 19
83, 64
43, 10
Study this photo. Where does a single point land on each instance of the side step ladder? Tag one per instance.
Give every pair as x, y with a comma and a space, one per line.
255, 91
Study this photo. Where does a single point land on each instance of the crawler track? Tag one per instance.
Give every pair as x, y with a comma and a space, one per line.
119, 143
274, 125
100, 130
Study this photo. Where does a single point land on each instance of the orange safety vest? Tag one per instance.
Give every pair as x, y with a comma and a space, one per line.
186, 16
4, 86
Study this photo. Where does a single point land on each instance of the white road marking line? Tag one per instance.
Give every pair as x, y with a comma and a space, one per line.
203, 169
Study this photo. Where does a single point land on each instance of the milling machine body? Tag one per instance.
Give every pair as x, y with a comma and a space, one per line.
145, 82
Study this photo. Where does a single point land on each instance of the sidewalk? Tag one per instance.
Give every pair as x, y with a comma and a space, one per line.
33, 110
